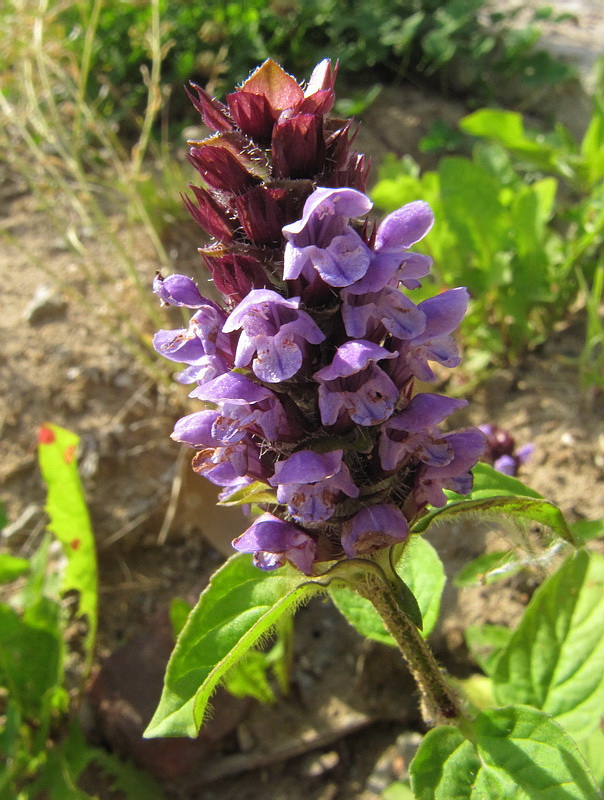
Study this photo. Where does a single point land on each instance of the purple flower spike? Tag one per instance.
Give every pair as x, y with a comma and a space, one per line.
323, 355
276, 331
373, 528
352, 384
177, 290
273, 542
310, 484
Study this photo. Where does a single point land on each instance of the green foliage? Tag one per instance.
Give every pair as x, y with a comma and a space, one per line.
516, 752
44, 753
219, 43
521, 224
422, 571
238, 609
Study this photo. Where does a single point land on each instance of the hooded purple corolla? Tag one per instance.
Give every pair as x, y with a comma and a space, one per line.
275, 331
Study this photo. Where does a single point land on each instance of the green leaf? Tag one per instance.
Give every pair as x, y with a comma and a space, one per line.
69, 520
505, 127
445, 766
421, 569
587, 529
486, 643
256, 492
555, 658
518, 752
487, 568
249, 678
179, 613
399, 790
238, 609
489, 482
516, 508
592, 749
534, 753
12, 567
30, 660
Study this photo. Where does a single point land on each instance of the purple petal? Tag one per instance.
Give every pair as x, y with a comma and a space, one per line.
405, 227
273, 542
306, 466
373, 528
424, 410
351, 357
178, 290
444, 312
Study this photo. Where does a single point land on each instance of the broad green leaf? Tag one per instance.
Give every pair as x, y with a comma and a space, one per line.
593, 751
12, 567
486, 643
30, 661
445, 766
179, 613
489, 482
516, 508
555, 658
250, 678
505, 127
69, 520
518, 753
421, 570
238, 609
400, 790
528, 749
487, 568
587, 529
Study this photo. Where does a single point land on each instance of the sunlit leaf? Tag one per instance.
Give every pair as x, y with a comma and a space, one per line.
237, 610
517, 752
555, 658
69, 519
422, 572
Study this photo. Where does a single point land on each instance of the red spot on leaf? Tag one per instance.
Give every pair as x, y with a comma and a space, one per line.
69, 453
46, 436
75, 544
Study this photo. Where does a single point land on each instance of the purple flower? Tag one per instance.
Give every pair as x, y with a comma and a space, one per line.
276, 331
273, 542
467, 445
323, 241
177, 290
354, 386
193, 345
501, 450
373, 528
245, 405
225, 456
310, 484
413, 433
370, 315
443, 314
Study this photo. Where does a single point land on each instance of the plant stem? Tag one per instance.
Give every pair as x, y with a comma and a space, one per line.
439, 702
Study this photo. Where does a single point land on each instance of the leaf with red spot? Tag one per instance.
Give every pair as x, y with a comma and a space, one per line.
69, 520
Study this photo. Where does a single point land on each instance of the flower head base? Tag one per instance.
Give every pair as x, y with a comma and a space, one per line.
309, 362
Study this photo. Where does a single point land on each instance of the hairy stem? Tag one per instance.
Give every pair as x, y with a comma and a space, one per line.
439, 702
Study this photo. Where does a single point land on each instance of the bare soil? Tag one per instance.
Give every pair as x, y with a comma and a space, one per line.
160, 536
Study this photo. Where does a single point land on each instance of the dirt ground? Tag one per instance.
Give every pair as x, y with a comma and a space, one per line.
160, 536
